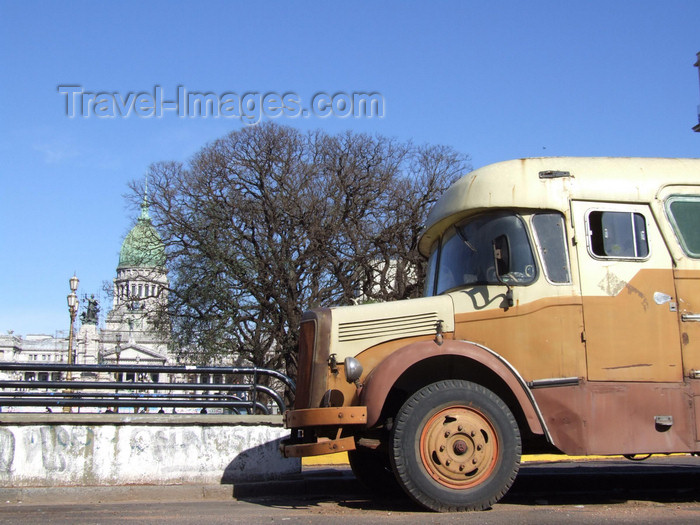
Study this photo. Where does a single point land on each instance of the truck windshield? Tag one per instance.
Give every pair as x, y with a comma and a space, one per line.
465, 257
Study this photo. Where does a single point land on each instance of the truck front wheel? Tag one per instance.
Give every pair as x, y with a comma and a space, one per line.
455, 446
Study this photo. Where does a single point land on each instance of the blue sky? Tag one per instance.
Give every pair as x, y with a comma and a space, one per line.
494, 79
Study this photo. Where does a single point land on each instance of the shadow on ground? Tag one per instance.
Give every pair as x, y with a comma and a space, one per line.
665, 480
604, 482
259, 463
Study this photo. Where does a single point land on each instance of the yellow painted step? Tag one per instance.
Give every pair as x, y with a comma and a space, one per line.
341, 458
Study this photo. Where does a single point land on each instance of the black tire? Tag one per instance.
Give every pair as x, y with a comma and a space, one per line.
455, 446
373, 469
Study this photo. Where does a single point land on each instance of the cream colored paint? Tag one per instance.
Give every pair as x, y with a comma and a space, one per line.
682, 261
376, 323
516, 184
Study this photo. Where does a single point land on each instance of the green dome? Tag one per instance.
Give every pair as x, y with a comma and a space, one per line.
142, 247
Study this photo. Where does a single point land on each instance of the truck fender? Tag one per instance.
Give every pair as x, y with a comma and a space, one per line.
380, 381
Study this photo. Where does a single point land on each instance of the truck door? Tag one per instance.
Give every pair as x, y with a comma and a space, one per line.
682, 208
627, 285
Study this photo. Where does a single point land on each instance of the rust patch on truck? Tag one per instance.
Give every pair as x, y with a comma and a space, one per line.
618, 418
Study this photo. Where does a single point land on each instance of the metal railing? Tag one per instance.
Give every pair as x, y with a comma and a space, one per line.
105, 387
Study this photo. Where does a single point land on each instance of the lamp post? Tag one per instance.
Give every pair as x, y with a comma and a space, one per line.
73, 311
117, 352
697, 64
118, 347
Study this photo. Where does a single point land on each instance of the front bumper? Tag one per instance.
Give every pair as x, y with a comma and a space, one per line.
317, 431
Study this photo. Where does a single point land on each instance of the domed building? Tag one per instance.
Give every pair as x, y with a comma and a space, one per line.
140, 292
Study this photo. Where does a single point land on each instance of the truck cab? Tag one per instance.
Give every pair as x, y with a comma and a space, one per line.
561, 313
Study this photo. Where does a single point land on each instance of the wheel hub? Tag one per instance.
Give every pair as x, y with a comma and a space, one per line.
459, 447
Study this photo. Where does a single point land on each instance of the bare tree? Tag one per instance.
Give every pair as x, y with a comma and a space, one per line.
267, 222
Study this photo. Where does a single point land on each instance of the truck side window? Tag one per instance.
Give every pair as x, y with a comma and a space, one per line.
618, 234
684, 212
550, 233
431, 270
454, 255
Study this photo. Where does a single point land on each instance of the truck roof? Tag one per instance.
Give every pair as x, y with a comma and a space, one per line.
551, 182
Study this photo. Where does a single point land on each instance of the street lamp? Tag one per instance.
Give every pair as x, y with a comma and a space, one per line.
73, 311
697, 64
118, 375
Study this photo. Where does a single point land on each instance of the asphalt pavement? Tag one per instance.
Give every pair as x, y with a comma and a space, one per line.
660, 476
660, 490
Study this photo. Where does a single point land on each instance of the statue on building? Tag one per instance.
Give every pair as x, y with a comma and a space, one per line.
89, 316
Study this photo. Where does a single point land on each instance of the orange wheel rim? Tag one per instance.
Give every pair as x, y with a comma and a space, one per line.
459, 447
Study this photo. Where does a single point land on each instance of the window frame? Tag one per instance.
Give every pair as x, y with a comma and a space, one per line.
676, 197
436, 250
440, 243
615, 209
540, 255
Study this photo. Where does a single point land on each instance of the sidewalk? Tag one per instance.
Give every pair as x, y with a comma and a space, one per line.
317, 479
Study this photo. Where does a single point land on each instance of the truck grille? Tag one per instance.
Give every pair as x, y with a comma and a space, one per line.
405, 325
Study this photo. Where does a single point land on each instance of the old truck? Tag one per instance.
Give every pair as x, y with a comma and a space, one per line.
561, 313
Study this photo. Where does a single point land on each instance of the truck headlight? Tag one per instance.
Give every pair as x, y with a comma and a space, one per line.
353, 369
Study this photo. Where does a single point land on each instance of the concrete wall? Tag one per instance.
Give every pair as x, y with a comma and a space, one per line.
47, 450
